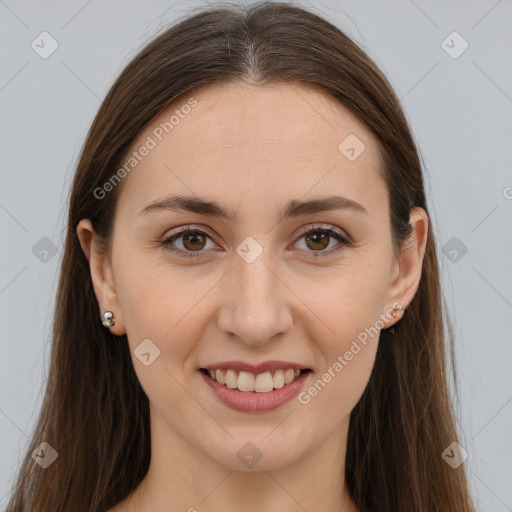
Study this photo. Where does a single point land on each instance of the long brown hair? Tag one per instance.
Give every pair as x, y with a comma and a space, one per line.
95, 413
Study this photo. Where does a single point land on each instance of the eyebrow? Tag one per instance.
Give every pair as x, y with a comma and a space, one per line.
293, 208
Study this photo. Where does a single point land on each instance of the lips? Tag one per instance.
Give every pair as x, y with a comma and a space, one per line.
255, 388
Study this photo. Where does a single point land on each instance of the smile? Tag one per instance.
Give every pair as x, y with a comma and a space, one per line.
254, 389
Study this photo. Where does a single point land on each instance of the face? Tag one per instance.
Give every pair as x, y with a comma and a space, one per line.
274, 285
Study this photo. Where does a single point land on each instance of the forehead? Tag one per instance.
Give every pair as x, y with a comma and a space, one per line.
277, 141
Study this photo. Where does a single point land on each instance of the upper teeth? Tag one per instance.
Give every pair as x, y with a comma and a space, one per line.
261, 383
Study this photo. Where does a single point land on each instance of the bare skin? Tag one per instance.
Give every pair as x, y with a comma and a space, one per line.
252, 150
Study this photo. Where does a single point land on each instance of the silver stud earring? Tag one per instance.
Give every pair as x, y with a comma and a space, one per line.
107, 319
396, 307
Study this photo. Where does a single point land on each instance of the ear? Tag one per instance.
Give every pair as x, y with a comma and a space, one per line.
102, 275
407, 277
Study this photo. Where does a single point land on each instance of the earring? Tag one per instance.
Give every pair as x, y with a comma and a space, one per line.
396, 307
107, 319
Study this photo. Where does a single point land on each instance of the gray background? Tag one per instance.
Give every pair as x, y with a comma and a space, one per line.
460, 112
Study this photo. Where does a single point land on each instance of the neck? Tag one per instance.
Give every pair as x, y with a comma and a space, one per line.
181, 478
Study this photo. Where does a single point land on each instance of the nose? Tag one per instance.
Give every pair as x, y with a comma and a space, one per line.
256, 304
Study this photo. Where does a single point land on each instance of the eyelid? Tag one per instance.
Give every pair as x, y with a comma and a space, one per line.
189, 227
324, 227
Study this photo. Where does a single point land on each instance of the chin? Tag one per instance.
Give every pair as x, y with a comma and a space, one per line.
258, 450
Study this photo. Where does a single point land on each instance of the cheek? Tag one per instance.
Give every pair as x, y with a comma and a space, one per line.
347, 299
348, 351
157, 308
348, 311
159, 304
333, 392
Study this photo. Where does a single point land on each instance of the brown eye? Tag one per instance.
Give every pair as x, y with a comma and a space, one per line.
194, 241
317, 241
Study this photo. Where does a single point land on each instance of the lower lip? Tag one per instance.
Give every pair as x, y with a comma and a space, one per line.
251, 401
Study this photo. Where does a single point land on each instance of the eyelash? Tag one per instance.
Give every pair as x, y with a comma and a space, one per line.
186, 230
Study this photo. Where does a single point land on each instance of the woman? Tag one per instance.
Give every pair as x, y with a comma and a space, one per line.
249, 313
